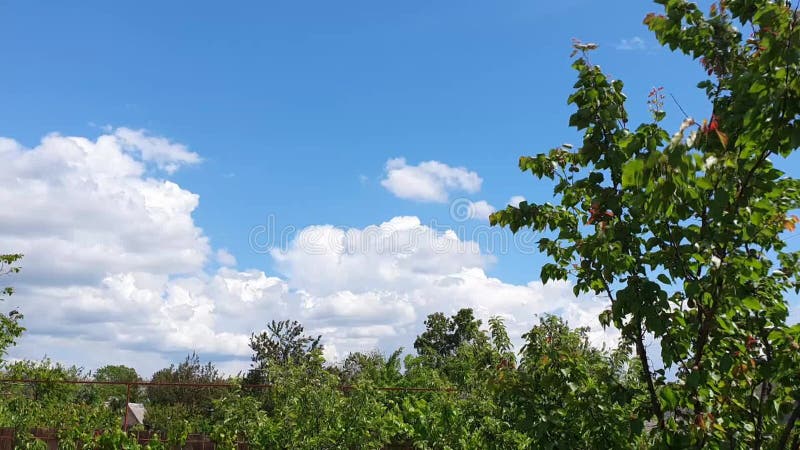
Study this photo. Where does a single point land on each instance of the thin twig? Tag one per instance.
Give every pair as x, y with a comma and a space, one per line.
686, 116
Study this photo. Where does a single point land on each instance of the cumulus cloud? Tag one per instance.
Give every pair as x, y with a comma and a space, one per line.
167, 155
634, 43
429, 181
80, 209
115, 268
399, 254
462, 209
225, 258
480, 210
516, 200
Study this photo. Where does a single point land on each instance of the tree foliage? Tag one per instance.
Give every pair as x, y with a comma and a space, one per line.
282, 343
443, 335
10, 327
474, 396
190, 401
682, 231
117, 394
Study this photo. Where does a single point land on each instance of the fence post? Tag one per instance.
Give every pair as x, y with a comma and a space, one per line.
127, 401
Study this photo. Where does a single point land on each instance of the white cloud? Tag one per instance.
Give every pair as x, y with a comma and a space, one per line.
167, 156
516, 200
480, 210
430, 181
225, 258
81, 209
634, 43
462, 209
114, 270
398, 254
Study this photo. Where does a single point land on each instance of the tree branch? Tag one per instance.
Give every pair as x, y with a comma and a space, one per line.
759, 422
647, 375
641, 352
789, 426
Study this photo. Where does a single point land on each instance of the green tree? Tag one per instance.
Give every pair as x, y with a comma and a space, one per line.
196, 399
48, 402
455, 346
117, 394
282, 343
682, 231
569, 394
444, 335
308, 410
47, 376
10, 327
117, 374
382, 370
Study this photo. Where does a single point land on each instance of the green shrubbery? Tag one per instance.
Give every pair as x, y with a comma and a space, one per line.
562, 393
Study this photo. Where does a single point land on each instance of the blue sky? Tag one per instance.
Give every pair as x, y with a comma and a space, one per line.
290, 103
296, 107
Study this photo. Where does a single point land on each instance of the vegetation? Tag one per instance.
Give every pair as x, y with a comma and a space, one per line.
563, 394
280, 344
10, 327
681, 232
556, 391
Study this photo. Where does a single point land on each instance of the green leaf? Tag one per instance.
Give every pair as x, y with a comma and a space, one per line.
725, 363
693, 379
795, 139
669, 397
751, 303
632, 173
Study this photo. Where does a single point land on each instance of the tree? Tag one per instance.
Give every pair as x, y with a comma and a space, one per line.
443, 336
50, 402
458, 350
382, 370
45, 371
117, 374
195, 398
570, 394
682, 232
10, 328
567, 393
280, 344
117, 394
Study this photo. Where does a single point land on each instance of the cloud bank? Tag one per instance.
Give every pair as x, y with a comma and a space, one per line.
117, 271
